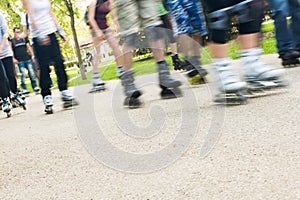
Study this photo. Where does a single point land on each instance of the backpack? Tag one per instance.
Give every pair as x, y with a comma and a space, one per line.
86, 14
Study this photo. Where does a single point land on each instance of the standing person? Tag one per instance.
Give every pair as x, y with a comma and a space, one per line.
287, 35
21, 49
255, 71
133, 16
97, 15
43, 26
7, 61
191, 27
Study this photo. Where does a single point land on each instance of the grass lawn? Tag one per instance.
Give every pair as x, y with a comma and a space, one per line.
107, 69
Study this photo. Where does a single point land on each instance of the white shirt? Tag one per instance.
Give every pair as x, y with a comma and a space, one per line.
41, 15
6, 51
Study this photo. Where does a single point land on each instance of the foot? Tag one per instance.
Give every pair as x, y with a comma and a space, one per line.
227, 79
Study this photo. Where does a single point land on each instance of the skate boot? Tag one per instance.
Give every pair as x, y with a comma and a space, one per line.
290, 58
17, 100
98, 84
131, 92
48, 102
25, 92
169, 86
196, 74
68, 99
119, 71
260, 77
230, 87
177, 63
1, 103
6, 106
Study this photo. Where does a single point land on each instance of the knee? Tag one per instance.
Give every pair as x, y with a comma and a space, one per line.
130, 40
154, 33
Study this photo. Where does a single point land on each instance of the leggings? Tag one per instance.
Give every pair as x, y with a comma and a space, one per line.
4, 85
46, 55
249, 27
9, 68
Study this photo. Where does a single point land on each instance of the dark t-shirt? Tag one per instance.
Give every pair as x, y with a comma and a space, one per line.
102, 9
20, 49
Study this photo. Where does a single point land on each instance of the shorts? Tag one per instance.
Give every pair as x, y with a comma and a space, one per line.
136, 15
105, 31
189, 16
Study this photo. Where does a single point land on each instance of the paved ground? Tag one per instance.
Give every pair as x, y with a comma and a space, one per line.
187, 148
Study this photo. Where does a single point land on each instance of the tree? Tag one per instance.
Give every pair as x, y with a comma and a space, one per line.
72, 13
13, 8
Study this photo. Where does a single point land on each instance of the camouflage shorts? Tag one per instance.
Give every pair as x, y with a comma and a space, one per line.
188, 15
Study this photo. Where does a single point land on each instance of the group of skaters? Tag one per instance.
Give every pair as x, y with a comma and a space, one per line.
190, 20
194, 20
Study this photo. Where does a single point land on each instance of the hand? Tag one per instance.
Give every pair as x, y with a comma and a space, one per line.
32, 58
62, 33
100, 35
44, 40
15, 61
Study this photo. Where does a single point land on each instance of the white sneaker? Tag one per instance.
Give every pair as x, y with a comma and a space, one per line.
227, 79
48, 100
24, 91
256, 70
96, 80
119, 71
66, 95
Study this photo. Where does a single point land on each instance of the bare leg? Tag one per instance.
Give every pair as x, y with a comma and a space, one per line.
158, 50
96, 58
173, 47
115, 48
249, 41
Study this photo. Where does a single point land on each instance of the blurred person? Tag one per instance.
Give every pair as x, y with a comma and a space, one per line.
191, 27
257, 74
97, 15
134, 16
6, 57
168, 26
43, 26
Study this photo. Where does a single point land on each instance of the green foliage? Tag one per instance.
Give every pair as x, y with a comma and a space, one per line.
72, 63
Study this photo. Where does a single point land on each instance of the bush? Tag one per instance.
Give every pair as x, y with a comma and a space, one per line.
72, 63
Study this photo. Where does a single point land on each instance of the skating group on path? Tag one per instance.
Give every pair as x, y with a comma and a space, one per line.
187, 24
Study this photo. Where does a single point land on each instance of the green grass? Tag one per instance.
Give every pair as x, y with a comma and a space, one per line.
107, 69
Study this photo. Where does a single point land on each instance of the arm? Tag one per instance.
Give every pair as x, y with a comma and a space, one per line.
43, 40
4, 32
60, 30
13, 53
30, 13
92, 21
29, 49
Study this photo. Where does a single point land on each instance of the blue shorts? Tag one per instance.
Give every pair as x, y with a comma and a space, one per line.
188, 15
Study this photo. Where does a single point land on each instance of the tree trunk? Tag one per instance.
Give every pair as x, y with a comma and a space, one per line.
77, 47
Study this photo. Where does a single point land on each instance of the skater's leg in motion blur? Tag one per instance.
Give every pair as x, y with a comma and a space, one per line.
191, 26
